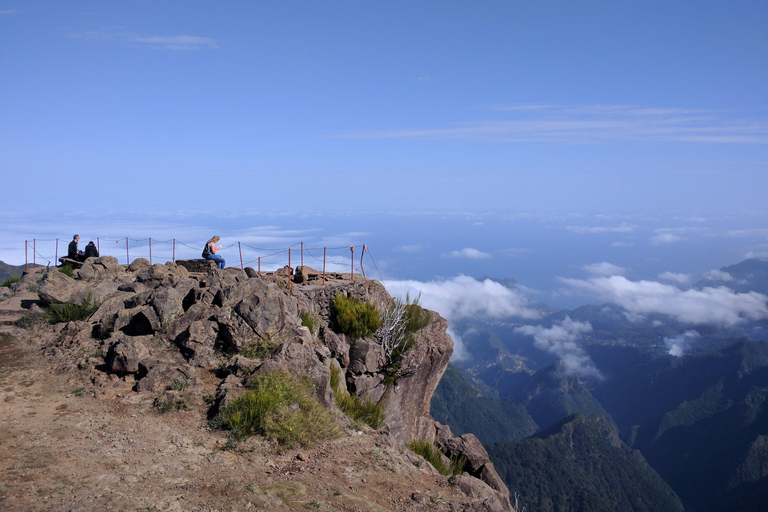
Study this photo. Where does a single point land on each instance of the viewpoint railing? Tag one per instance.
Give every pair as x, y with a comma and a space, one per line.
171, 250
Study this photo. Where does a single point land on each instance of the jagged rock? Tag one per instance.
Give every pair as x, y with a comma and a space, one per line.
305, 274
199, 265
338, 346
58, 287
479, 463
407, 403
162, 370
169, 302
198, 342
137, 321
251, 272
126, 354
99, 268
365, 356
239, 365
269, 310
158, 274
229, 389
368, 386
234, 332
196, 312
139, 264
491, 501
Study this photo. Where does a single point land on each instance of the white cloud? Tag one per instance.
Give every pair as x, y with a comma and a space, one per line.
709, 305
560, 339
180, 42
683, 279
583, 230
591, 124
678, 345
470, 254
665, 238
604, 269
464, 297
411, 249
622, 244
460, 352
718, 275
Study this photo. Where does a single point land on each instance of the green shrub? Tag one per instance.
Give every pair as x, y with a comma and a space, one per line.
69, 311
367, 411
282, 407
172, 404
67, 271
435, 457
180, 384
259, 349
355, 319
8, 282
308, 321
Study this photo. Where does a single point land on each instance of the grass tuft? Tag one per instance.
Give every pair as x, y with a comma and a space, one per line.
67, 271
8, 282
367, 411
281, 407
308, 320
259, 349
71, 312
435, 457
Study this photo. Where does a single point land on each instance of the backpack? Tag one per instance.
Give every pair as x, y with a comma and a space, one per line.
206, 250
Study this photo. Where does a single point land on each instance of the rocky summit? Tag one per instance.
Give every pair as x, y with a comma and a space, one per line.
121, 406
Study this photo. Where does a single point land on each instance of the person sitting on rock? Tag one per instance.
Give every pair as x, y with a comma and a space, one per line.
73, 253
209, 251
91, 251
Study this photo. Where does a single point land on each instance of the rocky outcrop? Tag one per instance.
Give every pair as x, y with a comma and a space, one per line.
168, 327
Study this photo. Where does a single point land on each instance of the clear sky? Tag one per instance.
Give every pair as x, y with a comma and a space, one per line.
530, 139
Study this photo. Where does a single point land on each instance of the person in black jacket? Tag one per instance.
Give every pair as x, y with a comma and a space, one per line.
91, 251
72, 252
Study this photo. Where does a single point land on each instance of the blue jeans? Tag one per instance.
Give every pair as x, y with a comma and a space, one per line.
218, 259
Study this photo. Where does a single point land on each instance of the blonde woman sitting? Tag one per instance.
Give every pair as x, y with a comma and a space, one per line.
209, 252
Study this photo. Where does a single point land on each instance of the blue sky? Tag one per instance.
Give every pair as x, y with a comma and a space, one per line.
537, 140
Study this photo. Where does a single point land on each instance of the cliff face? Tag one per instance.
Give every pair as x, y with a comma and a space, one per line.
157, 325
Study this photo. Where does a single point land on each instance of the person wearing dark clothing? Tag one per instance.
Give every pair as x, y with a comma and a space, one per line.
72, 252
209, 252
91, 251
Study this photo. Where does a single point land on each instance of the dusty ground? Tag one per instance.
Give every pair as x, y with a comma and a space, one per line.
79, 440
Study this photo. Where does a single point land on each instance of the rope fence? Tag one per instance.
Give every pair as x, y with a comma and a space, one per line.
333, 259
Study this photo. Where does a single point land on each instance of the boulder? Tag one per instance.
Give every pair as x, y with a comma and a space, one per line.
126, 354
337, 345
365, 356
139, 264
199, 266
198, 342
58, 287
479, 463
99, 268
162, 370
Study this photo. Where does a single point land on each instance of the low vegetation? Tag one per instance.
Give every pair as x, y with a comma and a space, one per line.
396, 336
354, 318
67, 270
280, 407
308, 320
435, 457
367, 411
72, 312
259, 349
8, 282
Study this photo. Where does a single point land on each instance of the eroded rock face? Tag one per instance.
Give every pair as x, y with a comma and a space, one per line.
164, 326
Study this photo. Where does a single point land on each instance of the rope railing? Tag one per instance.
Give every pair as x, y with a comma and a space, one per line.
334, 259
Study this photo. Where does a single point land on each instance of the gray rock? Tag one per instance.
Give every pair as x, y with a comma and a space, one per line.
139, 264
99, 268
126, 355
58, 287
365, 356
